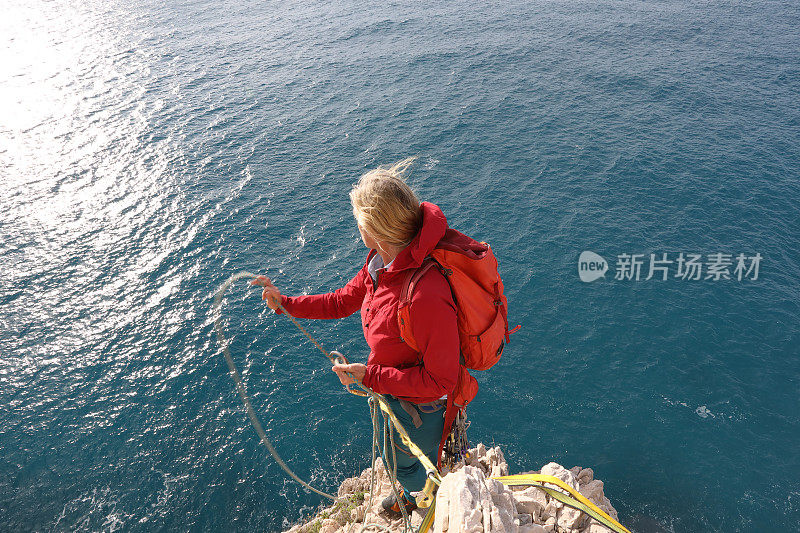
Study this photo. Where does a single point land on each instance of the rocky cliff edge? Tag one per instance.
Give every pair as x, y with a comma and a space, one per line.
468, 500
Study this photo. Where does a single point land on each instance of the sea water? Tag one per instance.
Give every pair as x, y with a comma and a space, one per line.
149, 150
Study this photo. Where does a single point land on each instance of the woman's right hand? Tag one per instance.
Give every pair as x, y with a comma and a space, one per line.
271, 293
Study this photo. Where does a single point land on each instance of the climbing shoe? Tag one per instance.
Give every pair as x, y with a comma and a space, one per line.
392, 508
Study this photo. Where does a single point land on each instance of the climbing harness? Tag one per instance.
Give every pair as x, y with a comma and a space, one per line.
456, 445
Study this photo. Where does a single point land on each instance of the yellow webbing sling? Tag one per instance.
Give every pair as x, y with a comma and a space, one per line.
577, 501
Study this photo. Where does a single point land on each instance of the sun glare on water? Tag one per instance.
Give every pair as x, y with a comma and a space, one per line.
81, 171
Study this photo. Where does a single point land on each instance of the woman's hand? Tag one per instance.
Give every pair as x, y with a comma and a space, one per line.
357, 369
271, 293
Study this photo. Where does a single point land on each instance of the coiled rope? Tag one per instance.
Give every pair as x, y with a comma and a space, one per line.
426, 497
390, 422
237, 378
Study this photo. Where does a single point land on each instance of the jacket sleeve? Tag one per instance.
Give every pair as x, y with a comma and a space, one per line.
337, 304
433, 322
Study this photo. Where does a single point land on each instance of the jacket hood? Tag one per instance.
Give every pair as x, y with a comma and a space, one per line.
432, 229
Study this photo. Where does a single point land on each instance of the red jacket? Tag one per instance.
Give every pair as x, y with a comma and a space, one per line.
392, 366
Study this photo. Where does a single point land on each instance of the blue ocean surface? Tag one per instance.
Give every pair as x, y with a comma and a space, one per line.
150, 150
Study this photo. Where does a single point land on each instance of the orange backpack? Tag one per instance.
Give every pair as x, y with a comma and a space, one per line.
470, 268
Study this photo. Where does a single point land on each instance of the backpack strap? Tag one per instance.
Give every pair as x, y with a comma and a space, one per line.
412, 278
404, 306
503, 310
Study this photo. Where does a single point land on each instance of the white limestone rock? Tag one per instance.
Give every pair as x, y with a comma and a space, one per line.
329, 526
595, 527
586, 475
569, 518
594, 491
531, 501
469, 501
357, 514
556, 470
350, 485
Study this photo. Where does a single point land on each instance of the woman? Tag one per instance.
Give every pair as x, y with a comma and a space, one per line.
400, 233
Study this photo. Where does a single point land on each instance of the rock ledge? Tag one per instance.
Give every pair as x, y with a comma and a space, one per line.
469, 501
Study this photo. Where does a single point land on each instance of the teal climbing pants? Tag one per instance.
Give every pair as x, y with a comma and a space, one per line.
410, 472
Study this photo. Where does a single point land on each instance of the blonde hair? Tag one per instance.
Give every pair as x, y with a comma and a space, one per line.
385, 206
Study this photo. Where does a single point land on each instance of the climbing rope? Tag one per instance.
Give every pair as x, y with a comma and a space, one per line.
376, 402
425, 498
237, 378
